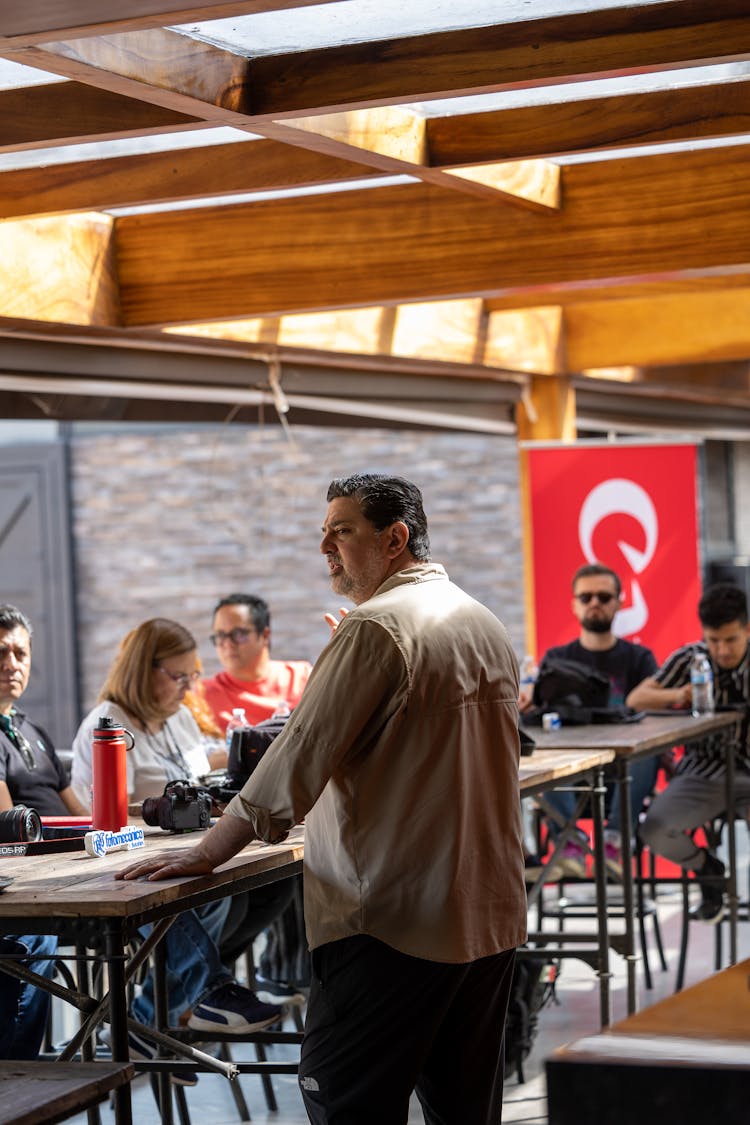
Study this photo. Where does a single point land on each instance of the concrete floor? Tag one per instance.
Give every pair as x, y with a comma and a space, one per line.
574, 1013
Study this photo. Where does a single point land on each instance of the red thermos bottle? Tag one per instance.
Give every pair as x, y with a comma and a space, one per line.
109, 780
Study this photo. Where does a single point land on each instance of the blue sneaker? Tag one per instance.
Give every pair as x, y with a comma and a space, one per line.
233, 1009
279, 992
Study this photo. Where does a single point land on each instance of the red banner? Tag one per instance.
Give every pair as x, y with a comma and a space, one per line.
631, 507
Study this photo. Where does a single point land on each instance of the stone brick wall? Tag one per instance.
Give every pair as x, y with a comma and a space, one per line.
167, 521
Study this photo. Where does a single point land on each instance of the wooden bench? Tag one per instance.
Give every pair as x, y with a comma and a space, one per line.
40, 1093
686, 1058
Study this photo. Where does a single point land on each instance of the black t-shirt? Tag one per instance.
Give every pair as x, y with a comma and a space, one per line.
39, 788
624, 665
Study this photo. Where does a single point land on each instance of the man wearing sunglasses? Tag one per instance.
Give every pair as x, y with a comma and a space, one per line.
249, 677
597, 596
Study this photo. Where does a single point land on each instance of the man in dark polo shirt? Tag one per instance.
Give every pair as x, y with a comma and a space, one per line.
30, 774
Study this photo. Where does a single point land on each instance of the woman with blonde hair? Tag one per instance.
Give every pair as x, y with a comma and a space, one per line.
144, 692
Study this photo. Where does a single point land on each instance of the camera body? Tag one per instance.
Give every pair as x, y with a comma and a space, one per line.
182, 807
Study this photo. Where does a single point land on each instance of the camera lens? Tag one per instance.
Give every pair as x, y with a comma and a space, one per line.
19, 825
150, 810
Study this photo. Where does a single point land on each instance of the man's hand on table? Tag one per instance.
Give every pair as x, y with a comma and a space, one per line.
168, 865
227, 837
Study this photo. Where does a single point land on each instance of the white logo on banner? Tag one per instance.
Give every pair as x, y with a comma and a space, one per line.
609, 498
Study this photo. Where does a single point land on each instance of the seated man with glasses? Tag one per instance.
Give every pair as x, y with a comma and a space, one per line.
249, 677
597, 593
30, 774
263, 687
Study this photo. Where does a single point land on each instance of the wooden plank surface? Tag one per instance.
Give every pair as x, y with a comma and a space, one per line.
477, 60
79, 886
553, 128
212, 170
684, 1059
40, 1093
717, 1008
545, 767
654, 732
671, 213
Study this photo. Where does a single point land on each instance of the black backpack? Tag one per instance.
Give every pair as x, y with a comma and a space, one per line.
568, 682
248, 746
578, 693
532, 988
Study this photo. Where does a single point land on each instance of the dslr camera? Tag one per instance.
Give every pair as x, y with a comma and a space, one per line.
182, 807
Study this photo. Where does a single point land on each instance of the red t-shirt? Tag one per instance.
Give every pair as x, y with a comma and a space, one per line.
283, 683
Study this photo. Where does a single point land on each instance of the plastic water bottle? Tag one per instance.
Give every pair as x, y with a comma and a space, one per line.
237, 722
701, 685
529, 672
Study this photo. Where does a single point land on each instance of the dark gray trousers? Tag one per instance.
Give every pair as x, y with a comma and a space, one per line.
381, 1024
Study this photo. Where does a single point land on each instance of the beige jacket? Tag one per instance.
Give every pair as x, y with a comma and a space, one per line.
402, 757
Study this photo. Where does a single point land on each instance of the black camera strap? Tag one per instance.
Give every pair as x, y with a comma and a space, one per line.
19, 740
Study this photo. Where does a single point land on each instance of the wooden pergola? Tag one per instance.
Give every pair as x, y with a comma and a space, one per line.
509, 216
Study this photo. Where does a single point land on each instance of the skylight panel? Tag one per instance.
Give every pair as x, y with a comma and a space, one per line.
259, 196
14, 76
579, 91
129, 146
362, 21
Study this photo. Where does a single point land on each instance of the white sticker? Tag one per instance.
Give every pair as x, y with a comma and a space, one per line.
99, 843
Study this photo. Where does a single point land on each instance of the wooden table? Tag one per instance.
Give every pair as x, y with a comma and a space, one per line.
52, 894
684, 1059
538, 773
41, 1093
656, 732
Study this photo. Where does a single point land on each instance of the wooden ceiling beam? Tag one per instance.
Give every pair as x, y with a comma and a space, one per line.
182, 73
712, 325
60, 113
700, 327
60, 270
558, 128
159, 66
635, 218
393, 140
188, 76
26, 24
175, 174
699, 281
441, 330
506, 55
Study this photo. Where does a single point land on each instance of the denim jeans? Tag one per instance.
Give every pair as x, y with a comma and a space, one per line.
194, 966
24, 1008
643, 778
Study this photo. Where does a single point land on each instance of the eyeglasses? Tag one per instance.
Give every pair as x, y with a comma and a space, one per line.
237, 636
184, 679
604, 597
